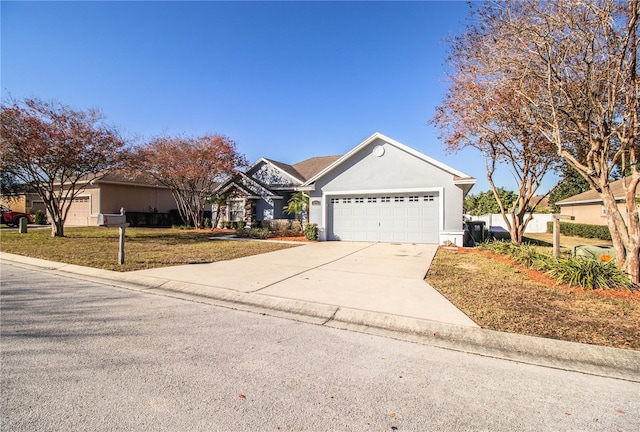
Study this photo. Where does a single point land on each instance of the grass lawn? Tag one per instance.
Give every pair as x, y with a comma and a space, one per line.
145, 248
567, 243
503, 296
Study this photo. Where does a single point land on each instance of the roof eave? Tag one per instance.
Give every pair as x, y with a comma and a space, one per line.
587, 201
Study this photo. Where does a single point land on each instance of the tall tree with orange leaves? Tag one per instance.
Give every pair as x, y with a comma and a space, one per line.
57, 151
191, 167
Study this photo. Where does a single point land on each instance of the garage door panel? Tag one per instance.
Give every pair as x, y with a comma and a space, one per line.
399, 218
79, 212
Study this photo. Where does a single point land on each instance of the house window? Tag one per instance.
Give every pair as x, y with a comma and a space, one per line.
372, 200
359, 200
335, 200
346, 200
428, 198
414, 199
236, 210
398, 199
385, 199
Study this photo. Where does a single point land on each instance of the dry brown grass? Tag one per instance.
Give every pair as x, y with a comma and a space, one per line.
145, 248
567, 243
499, 295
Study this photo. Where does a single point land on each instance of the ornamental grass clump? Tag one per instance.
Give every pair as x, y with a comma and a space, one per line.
583, 272
588, 273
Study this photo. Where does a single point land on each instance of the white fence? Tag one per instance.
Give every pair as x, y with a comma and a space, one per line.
537, 225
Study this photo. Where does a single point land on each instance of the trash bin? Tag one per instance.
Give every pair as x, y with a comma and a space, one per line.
476, 230
599, 253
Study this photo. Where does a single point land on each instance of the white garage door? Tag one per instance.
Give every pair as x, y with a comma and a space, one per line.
79, 212
406, 218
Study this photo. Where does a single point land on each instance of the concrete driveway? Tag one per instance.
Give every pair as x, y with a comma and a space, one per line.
377, 277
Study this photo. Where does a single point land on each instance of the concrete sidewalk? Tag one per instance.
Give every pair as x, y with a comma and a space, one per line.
374, 288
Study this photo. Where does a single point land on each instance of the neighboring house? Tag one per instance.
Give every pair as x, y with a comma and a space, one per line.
588, 208
23, 202
541, 204
381, 190
107, 195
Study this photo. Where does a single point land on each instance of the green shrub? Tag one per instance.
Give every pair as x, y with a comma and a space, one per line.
232, 224
582, 230
311, 231
256, 233
296, 226
40, 218
181, 227
504, 247
528, 256
279, 227
207, 222
589, 274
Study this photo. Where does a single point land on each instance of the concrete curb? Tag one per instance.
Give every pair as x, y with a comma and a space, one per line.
584, 358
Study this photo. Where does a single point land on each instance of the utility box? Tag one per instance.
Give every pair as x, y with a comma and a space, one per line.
112, 220
599, 253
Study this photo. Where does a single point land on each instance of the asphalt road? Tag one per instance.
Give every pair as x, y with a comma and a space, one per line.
78, 355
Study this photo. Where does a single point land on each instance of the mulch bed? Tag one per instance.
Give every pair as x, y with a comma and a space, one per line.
543, 278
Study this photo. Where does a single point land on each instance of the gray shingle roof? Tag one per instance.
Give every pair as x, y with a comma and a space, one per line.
310, 167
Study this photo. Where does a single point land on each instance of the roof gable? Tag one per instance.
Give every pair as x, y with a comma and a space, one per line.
250, 186
459, 177
274, 173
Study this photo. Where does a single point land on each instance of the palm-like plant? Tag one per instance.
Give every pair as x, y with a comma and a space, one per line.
298, 205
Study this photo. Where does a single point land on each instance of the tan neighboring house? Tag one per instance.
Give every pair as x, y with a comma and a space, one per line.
588, 208
22, 203
106, 195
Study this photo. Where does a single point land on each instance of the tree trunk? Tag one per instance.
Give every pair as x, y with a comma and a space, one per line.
624, 237
632, 266
57, 228
218, 215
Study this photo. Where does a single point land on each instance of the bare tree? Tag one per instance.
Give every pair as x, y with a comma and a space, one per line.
191, 168
482, 109
579, 60
56, 151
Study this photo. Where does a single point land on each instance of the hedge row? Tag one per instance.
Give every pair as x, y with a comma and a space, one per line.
582, 230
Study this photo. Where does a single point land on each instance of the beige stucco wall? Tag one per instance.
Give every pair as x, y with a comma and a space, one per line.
589, 213
18, 203
135, 199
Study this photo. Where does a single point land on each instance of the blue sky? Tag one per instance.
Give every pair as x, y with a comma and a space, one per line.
285, 80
